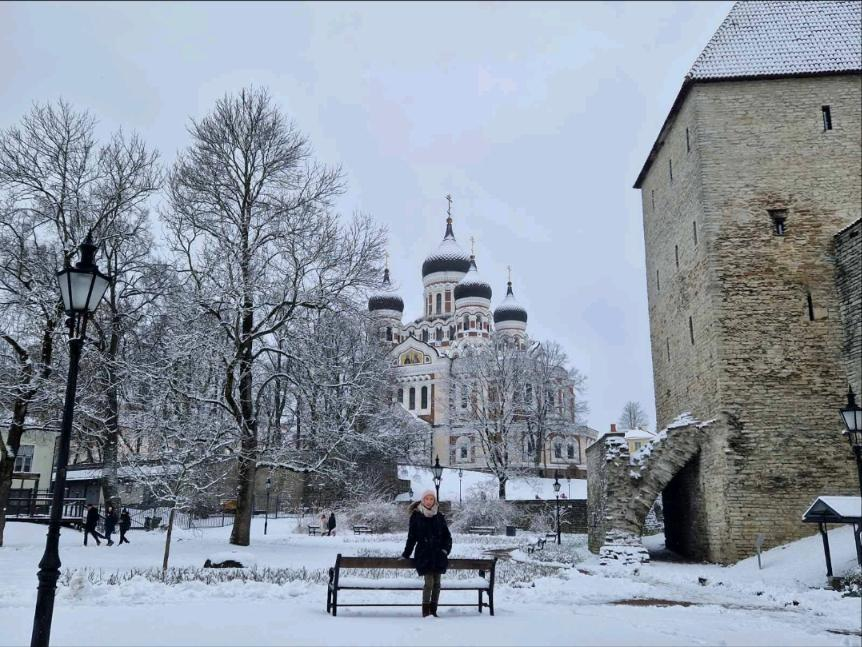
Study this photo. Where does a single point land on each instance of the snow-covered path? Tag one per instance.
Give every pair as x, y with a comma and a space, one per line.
738, 605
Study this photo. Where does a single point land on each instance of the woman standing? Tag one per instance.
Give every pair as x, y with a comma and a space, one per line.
430, 535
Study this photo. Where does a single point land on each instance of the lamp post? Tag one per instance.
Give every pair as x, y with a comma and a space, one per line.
266, 512
81, 288
569, 483
460, 476
851, 415
557, 493
437, 469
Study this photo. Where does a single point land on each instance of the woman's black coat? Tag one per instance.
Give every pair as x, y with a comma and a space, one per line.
433, 542
125, 521
331, 523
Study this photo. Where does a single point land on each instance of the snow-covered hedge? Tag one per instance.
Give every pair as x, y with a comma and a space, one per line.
380, 516
483, 513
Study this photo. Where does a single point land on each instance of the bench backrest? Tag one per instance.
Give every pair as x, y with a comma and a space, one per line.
397, 563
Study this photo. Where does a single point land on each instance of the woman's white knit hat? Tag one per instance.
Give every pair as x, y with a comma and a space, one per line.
426, 493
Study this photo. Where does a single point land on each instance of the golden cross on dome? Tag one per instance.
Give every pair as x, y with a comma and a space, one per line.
449, 208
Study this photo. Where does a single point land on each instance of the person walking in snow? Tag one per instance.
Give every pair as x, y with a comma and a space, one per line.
90, 522
125, 524
110, 523
430, 535
330, 524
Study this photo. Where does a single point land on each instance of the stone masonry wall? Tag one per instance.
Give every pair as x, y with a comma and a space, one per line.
750, 355
848, 280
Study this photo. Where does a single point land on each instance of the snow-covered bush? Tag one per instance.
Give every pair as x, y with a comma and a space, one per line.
380, 516
851, 586
483, 513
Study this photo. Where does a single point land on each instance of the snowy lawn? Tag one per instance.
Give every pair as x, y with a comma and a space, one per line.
561, 596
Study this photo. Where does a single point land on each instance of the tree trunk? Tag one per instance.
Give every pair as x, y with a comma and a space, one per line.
7, 459
168, 540
501, 493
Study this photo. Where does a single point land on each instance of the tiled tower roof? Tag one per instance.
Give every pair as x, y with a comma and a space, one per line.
783, 38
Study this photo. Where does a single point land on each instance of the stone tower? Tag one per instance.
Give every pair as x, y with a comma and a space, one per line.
754, 173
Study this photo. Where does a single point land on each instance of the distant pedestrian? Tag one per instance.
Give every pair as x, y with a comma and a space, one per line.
323, 520
430, 535
90, 522
125, 524
110, 523
331, 524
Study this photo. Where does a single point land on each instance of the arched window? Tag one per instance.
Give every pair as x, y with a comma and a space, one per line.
424, 398
479, 322
401, 396
451, 332
425, 335
439, 303
388, 333
412, 405
570, 451
465, 396
439, 333
466, 322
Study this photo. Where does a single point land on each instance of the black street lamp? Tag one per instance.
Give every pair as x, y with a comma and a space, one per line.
557, 493
460, 476
851, 415
81, 288
437, 469
266, 512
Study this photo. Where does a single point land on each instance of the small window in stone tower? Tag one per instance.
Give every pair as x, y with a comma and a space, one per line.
652, 197
424, 397
657, 282
779, 221
687, 142
694, 229
676, 253
691, 330
670, 169
439, 303
827, 118
810, 304
667, 343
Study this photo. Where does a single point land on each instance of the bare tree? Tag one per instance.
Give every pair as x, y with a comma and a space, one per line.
552, 401
633, 416
250, 217
490, 378
58, 185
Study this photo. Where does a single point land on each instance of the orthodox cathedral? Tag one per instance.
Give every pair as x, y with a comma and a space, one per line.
457, 311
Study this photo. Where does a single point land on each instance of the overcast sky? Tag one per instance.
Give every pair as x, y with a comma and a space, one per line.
535, 117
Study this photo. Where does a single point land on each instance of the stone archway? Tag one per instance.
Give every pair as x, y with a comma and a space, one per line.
623, 487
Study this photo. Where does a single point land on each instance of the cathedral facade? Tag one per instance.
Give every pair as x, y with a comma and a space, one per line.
457, 312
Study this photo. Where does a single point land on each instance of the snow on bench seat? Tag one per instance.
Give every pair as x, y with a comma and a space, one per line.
410, 583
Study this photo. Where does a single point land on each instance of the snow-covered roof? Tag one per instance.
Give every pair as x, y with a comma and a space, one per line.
472, 284
775, 38
448, 257
783, 38
826, 507
639, 434
92, 474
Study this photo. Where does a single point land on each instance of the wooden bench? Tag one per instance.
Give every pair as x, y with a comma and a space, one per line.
337, 582
539, 545
314, 530
482, 530
361, 530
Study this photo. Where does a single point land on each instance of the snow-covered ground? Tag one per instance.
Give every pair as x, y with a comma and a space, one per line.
663, 604
473, 483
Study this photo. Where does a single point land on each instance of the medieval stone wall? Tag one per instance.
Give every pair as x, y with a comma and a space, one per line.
848, 280
745, 346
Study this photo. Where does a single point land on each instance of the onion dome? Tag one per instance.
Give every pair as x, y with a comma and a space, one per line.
472, 284
386, 299
510, 309
448, 257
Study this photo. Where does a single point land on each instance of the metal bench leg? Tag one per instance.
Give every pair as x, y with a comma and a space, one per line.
491, 602
335, 602
328, 598
480, 600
